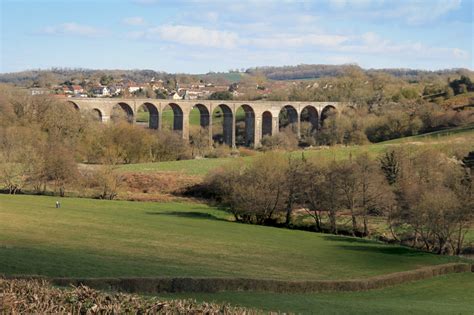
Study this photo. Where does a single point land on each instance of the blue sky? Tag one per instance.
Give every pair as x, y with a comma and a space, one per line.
197, 36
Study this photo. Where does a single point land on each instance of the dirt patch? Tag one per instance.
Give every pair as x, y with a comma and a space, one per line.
163, 186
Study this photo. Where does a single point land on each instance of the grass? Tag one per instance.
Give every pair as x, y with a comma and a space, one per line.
190, 167
448, 294
95, 238
442, 135
442, 140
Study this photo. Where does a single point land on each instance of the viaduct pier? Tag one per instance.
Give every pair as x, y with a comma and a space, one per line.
261, 117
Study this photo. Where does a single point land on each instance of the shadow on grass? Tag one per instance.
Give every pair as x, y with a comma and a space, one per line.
347, 239
192, 215
373, 247
386, 250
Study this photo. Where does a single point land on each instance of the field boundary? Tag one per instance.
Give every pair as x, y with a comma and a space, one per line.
195, 284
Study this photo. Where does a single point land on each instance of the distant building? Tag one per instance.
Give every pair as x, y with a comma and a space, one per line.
66, 90
101, 91
175, 96
39, 91
77, 89
115, 89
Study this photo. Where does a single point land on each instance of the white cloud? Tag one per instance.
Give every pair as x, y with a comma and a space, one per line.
134, 21
212, 16
372, 44
419, 12
194, 35
412, 11
336, 59
369, 43
72, 28
285, 41
459, 53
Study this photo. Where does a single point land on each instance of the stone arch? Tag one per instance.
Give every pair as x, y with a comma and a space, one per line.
326, 112
153, 121
177, 124
199, 128
204, 115
74, 105
348, 110
245, 137
309, 113
288, 117
227, 117
97, 114
267, 123
126, 108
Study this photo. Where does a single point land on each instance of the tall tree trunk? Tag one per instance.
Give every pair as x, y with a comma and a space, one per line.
366, 226
354, 221
289, 209
332, 221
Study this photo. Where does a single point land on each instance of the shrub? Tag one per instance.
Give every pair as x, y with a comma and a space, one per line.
284, 140
169, 146
220, 151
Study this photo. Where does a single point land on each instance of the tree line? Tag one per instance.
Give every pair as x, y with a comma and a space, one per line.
426, 199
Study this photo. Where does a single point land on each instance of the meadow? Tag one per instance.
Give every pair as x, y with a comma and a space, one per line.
445, 140
448, 294
96, 238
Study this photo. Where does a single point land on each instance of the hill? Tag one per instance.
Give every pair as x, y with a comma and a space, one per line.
94, 238
449, 140
449, 294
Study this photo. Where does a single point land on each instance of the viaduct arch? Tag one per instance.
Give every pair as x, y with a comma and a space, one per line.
260, 117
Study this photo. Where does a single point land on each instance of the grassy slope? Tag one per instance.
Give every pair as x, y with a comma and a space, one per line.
449, 294
463, 136
92, 238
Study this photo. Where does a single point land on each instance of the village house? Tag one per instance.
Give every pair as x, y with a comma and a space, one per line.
100, 91
115, 89
133, 87
77, 89
175, 96
39, 91
66, 90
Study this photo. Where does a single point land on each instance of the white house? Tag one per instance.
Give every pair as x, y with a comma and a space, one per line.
175, 96
39, 91
101, 91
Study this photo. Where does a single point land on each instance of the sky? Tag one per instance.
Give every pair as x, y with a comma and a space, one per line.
198, 36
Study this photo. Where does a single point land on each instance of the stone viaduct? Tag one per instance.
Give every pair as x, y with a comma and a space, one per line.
261, 117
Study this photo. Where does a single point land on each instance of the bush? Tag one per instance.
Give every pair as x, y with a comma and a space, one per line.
169, 146
40, 297
220, 151
284, 140
395, 124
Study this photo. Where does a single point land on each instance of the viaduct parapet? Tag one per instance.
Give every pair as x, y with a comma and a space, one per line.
261, 117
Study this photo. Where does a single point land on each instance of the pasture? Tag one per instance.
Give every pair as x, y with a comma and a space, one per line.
447, 141
448, 294
95, 238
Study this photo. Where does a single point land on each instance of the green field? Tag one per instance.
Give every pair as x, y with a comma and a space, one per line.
95, 238
442, 140
449, 294
441, 135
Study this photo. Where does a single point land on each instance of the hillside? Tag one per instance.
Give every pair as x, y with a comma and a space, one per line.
298, 72
449, 140
94, 238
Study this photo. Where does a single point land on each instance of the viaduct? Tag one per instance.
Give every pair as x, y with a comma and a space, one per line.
261, 117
